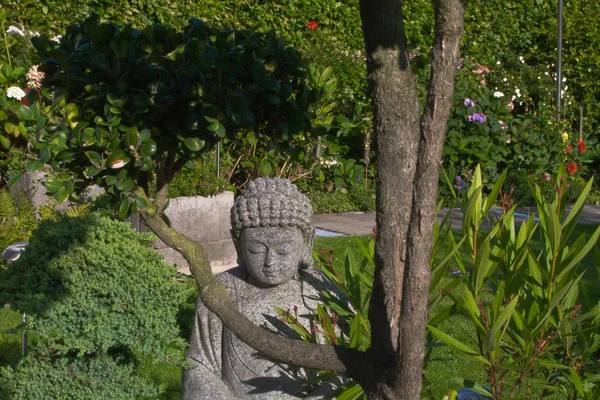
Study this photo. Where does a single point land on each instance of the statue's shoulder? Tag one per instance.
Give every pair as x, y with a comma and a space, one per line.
233, 275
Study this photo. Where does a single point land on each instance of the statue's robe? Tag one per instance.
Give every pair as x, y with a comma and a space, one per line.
227, 368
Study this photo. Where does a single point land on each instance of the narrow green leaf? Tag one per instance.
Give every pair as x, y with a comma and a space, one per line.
483, 267
458, 346
351, 266
578, 206
356, 333
494, 337
353, 392
577, 383
581, 254
471, 218
554, 231
494, 193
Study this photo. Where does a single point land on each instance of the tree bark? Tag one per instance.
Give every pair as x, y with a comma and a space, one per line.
409, 148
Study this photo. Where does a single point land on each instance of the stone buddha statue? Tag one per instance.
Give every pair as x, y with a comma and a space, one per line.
273, 234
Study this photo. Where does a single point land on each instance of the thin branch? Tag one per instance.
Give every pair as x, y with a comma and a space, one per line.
216, 298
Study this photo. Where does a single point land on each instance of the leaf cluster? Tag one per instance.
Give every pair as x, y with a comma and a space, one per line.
137, 101
525, 304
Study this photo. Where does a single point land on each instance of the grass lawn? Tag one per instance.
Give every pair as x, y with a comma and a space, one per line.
442, 371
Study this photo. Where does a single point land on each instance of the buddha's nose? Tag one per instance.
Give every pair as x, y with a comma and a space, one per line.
270, 261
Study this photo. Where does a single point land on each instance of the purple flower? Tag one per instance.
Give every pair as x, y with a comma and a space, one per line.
477, 117
469, 103
459, 183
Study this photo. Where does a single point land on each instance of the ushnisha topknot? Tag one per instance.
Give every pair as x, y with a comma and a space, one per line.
271, 202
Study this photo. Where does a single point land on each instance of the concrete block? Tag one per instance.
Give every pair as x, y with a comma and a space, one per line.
206, 220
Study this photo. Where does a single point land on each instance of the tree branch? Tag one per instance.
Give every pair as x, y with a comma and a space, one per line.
216, 298
445, 54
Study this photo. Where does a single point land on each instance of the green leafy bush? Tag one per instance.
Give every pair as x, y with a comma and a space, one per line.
356, 199
198, 182
96, 295
533, 326
100, 378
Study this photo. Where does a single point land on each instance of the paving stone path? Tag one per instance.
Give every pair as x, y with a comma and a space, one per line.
362, 223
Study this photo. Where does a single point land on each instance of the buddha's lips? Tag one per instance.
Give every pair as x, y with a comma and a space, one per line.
271, 272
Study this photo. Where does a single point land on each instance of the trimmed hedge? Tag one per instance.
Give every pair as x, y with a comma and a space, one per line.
96, 295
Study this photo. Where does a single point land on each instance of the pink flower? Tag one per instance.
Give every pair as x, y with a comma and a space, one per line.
34, 77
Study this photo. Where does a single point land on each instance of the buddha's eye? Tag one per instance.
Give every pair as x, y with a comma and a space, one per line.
283, 250
255, 248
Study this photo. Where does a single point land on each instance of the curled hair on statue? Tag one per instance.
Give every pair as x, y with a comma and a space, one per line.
273, 202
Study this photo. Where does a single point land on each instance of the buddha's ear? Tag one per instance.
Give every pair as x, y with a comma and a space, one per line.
236, 243
307, 258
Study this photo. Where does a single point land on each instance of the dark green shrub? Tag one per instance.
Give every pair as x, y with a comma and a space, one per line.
97, 295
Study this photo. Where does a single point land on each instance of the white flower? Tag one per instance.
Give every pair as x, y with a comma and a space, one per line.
505, 79
58, 37
564, 79
15, 93
13, 30
498, 94
497, 62
34, 33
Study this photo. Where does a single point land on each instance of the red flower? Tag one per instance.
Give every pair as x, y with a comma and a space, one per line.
572, 167
581, 146
569, 149
312, 24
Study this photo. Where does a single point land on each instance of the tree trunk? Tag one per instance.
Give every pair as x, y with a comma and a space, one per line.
409, 149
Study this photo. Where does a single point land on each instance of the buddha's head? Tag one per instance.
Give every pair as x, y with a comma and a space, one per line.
272, 230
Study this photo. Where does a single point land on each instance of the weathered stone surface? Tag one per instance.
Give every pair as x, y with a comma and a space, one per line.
273, 233
206, 220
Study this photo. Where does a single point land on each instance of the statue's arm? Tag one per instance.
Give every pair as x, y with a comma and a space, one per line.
203, 380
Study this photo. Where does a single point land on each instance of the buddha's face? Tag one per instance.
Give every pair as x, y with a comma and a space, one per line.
272, 254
